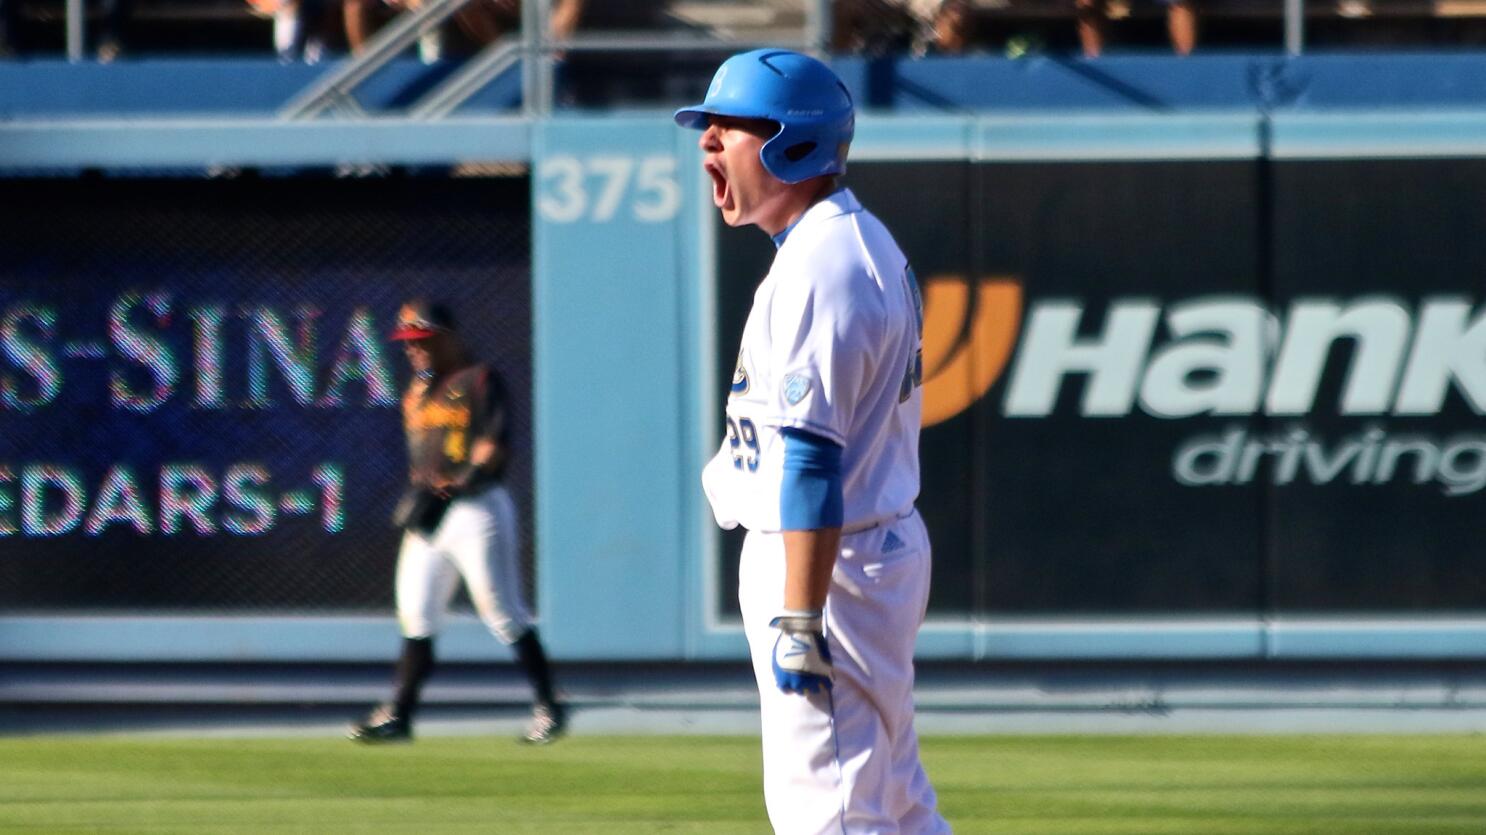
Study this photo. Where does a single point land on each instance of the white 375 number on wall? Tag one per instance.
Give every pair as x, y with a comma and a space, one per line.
597, 188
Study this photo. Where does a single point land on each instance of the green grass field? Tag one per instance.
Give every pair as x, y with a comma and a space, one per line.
1066, 784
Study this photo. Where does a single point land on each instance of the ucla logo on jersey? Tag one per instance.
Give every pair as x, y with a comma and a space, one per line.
740, 378
796, 386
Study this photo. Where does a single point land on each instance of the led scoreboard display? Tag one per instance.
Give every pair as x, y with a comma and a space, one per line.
145, 373
199, 398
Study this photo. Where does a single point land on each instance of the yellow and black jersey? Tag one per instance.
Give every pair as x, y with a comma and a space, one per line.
443, 417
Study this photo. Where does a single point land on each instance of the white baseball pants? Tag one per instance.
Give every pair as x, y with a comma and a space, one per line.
846, 762
479, 539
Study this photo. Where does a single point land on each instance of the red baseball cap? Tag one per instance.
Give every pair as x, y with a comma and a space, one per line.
419, 319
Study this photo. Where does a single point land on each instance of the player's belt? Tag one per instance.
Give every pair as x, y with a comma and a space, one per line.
869, 524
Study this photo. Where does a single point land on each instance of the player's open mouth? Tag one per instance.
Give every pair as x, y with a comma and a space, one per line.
720, 191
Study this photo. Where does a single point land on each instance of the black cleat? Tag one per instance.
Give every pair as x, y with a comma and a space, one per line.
548, 722
382, 725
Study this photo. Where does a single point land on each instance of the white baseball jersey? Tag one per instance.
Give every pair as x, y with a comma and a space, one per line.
832, 346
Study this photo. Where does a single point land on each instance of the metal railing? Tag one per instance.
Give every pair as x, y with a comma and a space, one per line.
334, 89
471, 76
534, 50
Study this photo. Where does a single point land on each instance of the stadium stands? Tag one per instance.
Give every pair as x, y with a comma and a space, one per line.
236, 27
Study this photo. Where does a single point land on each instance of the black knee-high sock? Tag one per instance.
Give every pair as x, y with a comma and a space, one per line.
534, 660
413, 668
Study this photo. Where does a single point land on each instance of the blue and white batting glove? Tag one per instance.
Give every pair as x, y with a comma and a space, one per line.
802, 660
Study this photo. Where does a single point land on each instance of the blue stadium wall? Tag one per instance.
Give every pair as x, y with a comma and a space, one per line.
1205, 363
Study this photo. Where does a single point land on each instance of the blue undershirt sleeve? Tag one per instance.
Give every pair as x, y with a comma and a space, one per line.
810, 495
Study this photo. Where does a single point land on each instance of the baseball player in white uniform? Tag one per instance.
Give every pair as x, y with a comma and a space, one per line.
820, 462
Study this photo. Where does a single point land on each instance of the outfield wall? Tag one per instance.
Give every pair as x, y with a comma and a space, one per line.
1201, 387
1113, 300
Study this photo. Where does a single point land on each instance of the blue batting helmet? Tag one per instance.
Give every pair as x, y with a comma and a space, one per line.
807, 100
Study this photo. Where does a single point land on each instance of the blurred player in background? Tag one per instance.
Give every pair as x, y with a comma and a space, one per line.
458, 521
820, 463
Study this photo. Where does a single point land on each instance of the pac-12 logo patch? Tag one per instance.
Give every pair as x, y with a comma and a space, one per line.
796, 386
740, 378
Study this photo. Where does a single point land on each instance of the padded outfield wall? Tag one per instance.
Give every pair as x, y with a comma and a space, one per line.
1200, 385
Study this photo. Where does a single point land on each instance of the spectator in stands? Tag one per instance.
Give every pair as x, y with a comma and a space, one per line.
482, 21
887, 27
952, 29
114, 16
358, 21
879, 27
110, 34
1093, 16
9, 20
301, 28
487, 21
